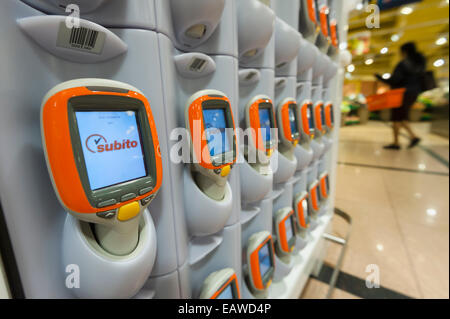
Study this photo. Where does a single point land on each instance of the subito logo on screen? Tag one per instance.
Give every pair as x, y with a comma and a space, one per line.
97, 143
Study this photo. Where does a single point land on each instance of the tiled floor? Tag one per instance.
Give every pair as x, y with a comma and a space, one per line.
399, 203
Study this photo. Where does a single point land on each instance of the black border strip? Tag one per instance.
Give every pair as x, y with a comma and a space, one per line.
410, 170
435, 155
357, 286
9, 260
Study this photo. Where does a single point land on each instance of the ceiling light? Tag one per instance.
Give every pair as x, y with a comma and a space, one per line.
351, 68
380, 247
422, 167
359, 6
384, 50
441, 41
368, 61
431, 212
406, 10
438, 63
395, 37
386, 76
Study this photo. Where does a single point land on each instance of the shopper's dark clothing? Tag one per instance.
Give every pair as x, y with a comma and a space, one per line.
407, 74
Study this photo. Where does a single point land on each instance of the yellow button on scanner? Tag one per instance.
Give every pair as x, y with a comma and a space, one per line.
128, 211
225, 171
270, 152
295, 143
269, 283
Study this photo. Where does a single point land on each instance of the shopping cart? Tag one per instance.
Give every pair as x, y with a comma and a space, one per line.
388, 100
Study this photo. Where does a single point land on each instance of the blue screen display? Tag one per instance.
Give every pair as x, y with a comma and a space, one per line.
264, 120
293, 121
288, 227
309, 114
111, 146
227, 293
215, 128
265, 262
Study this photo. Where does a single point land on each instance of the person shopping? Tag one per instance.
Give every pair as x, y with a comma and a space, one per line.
407, 74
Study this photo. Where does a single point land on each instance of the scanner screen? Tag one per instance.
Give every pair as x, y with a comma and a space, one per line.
310, 118
305, 208
264, 120
293, 120
112, 147
322, 114
265, 262
215, 128
288, 227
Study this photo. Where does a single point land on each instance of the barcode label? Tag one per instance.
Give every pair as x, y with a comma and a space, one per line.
81, 38
197, 64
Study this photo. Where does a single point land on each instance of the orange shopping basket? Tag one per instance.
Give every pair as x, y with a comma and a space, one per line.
389, 100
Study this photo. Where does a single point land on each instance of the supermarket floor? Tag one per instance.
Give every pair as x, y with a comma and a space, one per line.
399, 202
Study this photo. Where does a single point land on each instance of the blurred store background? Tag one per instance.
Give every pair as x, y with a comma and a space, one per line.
377, 50
398, 199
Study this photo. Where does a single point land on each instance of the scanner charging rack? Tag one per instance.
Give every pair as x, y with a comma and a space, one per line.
195, 46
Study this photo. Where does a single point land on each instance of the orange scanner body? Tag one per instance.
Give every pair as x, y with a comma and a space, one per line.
255, 124
301, 213
312, 10
318, 116
282, 233
314, 197
329, 115
323, 186
197, 131
288, 122
232, 281
334, 33
60, 151
254, 264
305, 118
324, 12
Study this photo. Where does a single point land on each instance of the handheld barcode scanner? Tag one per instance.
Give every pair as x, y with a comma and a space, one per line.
319, 119
324, 13
301, 211
306, 122
222, 284
285, 231
260, 260
260, 118
324, 186
313, 198
288, 124
329, 116
209, 120
308, 22
102, 153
